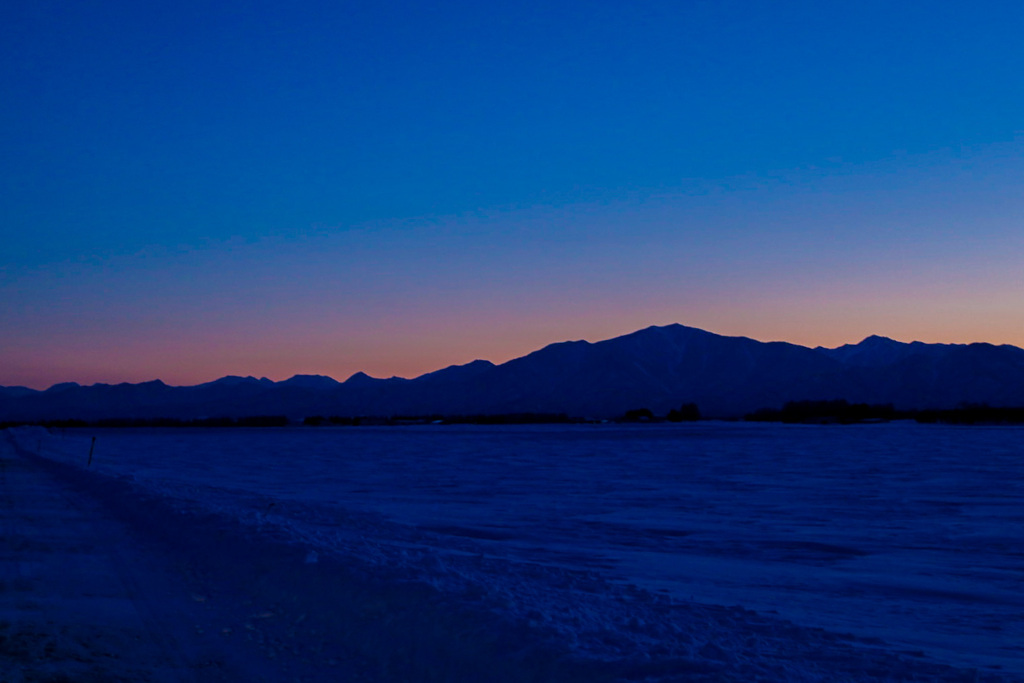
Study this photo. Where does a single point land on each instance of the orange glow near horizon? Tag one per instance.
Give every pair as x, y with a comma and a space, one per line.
179, 362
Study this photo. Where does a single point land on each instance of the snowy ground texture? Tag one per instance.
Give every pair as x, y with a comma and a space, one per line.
706, 552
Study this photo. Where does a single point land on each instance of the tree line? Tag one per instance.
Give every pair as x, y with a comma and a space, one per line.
835, 411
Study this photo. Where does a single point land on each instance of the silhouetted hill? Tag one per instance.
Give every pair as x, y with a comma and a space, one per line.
319, 382
15, 392
879, 351
659, 368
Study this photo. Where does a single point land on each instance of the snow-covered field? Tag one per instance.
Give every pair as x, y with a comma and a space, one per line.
901, 544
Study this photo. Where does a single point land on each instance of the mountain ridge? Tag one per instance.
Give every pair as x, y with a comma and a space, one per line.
656, 367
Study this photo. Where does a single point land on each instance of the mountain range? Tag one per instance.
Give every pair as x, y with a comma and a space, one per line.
658, 368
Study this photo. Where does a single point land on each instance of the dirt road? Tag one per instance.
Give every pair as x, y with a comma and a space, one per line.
85, 597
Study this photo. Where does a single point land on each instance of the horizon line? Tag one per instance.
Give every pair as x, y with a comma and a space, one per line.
479, 360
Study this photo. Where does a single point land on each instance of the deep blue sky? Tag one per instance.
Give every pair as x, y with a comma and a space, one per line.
189, 189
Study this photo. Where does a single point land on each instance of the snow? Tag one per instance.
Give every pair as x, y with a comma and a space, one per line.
740, 551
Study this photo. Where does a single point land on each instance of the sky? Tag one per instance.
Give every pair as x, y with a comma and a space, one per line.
191, 190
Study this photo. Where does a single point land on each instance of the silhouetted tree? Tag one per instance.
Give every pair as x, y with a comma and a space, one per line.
822, 412
638, 415
974, 413
688, 412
